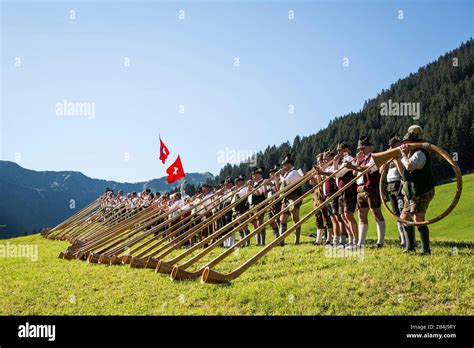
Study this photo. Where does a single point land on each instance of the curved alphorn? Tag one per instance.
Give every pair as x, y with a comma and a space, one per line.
392, 153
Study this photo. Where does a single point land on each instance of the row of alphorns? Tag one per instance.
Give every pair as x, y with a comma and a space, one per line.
154, 239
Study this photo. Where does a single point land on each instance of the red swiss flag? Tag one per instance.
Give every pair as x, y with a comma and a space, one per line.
164, 152
175, 171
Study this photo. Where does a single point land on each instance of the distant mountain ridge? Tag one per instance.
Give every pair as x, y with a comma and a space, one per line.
31, 200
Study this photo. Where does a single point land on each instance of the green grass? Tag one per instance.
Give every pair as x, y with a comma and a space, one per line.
292, 280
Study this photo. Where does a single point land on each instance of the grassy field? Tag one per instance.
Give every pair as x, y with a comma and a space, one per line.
294, 280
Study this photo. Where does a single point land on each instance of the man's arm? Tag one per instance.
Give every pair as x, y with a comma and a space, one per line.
416, 161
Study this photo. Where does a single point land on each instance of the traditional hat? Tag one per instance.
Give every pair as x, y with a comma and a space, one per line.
257, 171
240, 178
273, 169
414, 132
329, 154
205, 185
320, 157
364, 141
228, 180
287, 159
394, 139
343, 145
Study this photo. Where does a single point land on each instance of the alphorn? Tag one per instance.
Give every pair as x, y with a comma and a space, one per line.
84, 211
151, 258
63, 229
102, 236
211, 276
111, 256
389, 155
157, 262
167, 229
178, 272
166, 266
122, 231
79, 249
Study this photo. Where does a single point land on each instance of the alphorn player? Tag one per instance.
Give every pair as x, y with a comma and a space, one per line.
419, 190
323, 221
257, 197
393, 187
368, 197
348, 200
329, 189
287, 175
242, 207
227, 218
271, 191
207, 211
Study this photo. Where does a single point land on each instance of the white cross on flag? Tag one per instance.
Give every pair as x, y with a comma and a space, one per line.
175, 171
164, 152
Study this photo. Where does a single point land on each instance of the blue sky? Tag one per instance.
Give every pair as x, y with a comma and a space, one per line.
190, 62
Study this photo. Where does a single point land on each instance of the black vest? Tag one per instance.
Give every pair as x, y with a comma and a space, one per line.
419, 181
242, 206
257, 199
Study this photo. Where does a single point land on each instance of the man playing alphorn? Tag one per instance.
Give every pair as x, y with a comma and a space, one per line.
257, 197
288, 174
415, 167
368, 197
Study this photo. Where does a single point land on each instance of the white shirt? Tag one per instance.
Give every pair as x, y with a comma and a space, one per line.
393, 174
208, 201
242, 192
329, 169
227, 197
418, 160
177, 204
195, 203
292, 176
346, 159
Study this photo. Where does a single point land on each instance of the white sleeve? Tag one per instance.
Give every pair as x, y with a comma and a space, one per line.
418, 160
344, 171
371, 162
293, 176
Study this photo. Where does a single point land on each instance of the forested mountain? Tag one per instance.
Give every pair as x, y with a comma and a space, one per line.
31, 200
444, 90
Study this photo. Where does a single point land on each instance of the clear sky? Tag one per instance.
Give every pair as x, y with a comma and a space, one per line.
137, 62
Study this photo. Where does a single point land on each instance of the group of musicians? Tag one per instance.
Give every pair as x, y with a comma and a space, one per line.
349, 183
409, 186
346, 179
